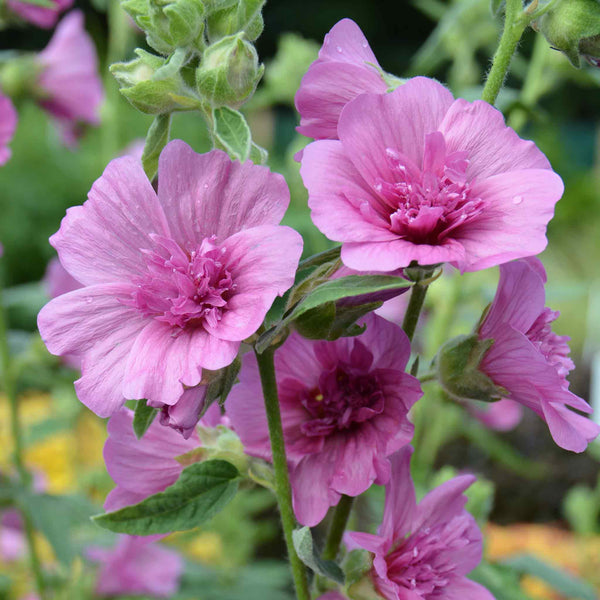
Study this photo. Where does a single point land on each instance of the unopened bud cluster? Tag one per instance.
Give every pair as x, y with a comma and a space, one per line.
206, 58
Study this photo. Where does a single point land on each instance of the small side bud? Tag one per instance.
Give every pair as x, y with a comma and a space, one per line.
573, 27
152, 84
229, 72
458, 370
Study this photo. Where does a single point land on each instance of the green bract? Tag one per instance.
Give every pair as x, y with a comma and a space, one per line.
573, 27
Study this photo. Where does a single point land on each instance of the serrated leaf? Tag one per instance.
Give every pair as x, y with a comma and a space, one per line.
332, 291
201, 491
142, 418
303, 543
156, 140
564, 583
232, 132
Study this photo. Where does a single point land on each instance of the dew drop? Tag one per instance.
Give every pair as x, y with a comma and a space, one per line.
339, 49
517, 199
89, 300
365, 44
205, 186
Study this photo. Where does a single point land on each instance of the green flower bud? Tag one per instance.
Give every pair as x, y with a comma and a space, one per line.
229, 72
169, 24
154, 85
237, 17
573, 27
18, 76
458, 370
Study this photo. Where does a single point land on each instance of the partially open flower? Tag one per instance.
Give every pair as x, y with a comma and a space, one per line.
344, 408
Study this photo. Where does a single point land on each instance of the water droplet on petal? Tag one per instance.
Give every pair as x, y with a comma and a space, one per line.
89, 300
517, 199
365, 45
339, 49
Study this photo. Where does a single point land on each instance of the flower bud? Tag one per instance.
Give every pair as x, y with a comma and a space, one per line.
458, 370
18, 76
241, 16
573, 27
229, 72
153, 85
169, 24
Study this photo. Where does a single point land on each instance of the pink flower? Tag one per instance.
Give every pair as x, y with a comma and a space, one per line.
70, 87
423, 551
344, 408
174, 281
12, 540
143, 467
8, 124
346, 68
419, 176
333, 595
41, 16
528, 359
137, 566
503, 415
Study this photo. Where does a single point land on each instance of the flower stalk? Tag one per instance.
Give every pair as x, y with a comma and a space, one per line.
337, 528
266, 367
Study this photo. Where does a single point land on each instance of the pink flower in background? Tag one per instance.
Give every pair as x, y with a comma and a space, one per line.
42, 16
419, 176
12, 539
69, 83
531, 361
424, 551
137, 566
346, 67
332, 596
503, 415
8, 124
143, 467
344, 408
174, 281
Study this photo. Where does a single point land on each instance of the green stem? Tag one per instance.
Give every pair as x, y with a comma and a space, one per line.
266, 367
415, 304
515, 23
17, 434
337, 528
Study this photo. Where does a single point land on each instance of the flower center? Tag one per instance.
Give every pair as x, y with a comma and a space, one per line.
184, 289
346, 394
554, 347
425, 205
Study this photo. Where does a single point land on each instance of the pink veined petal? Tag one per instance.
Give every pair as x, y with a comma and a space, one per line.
518, 302
208, 194
183, 416
389, 344
8, 124
373, 123
463, 588
286, 363
354, 540
311, 492
519, 205
569, 429
342, 205
400, 508
493, 147
325, 89
346, 42
101, 241
119, 498
160, 363
392, 255
262, 262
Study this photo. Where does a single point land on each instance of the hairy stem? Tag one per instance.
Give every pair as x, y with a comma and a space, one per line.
515, 23
266, 367
18, 447
415, 304
337, 528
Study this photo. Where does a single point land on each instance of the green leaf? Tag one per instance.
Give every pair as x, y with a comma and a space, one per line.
142, 418
258, 155
232, 133
303, 543
201, 491
321, 258
329, 292
156, 140
562, 582
220, 388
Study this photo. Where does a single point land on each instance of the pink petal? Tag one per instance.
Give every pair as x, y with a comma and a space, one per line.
461, 589
569, 430
400, 120
208, 194
346, 42
262, 262
493, 147
100, 241
41, 16
519, 205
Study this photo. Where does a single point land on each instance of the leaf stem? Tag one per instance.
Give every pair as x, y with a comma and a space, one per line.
515, 22
266, 367
17, 434
415, 304
337, 528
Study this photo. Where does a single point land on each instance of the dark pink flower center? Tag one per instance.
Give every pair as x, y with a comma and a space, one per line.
425, 205
425, 562
347, 394
554, 347
184, 289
